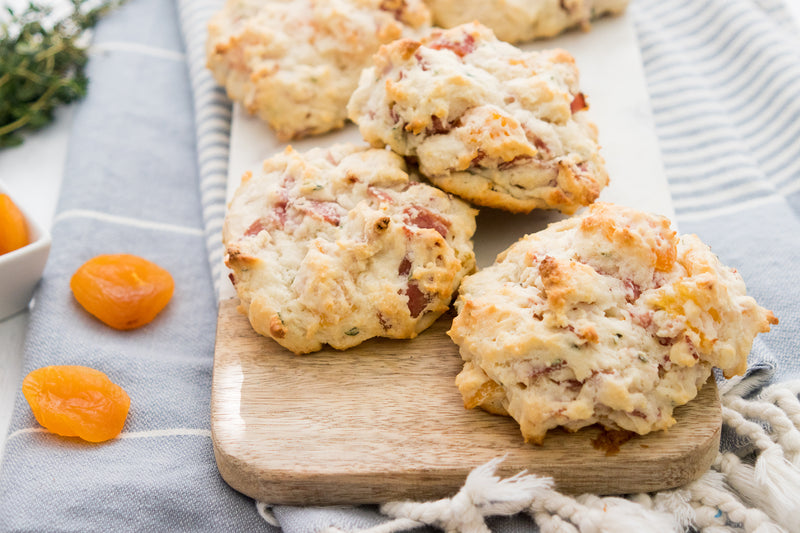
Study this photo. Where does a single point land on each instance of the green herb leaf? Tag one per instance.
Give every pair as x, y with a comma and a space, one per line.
43, 65
352, 332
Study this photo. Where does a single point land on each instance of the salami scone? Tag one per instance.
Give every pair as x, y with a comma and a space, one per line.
295, 63
487, 121
524, 20
607, 317
341, 245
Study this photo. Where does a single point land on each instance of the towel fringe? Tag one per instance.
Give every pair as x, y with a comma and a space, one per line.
266, 513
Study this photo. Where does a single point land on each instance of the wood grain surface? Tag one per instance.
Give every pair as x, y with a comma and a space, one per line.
384, 421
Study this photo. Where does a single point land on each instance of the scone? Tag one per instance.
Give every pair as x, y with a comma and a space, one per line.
524, 20
294, 63
486, 121
337, 246
607, 317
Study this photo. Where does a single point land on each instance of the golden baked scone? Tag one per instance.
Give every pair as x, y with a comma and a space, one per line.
524, 20
607, 317
294, 63
340, 245
487, 121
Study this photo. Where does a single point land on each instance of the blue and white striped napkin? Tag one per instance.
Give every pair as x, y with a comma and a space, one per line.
724, 83
130, 186
146, 175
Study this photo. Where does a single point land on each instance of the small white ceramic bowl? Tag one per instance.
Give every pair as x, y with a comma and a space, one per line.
21, 269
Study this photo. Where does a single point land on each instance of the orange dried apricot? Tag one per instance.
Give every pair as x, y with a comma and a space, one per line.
76, 401
124, 291
13, 228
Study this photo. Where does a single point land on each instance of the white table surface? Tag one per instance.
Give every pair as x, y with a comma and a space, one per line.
32, 174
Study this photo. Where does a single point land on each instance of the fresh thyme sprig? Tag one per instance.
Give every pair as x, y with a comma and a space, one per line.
42, 64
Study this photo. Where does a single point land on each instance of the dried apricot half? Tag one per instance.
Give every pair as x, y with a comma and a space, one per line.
76, 401
124, 291
13, 228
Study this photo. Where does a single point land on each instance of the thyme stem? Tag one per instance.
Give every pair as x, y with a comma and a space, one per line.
43, 65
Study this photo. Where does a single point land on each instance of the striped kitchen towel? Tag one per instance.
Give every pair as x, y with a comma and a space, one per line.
131, 186
212, 115
146, 175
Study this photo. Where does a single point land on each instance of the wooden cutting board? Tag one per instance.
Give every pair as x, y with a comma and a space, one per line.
384, 421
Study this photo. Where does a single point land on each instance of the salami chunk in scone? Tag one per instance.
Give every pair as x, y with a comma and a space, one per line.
487, 121
607, 318
341, 245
